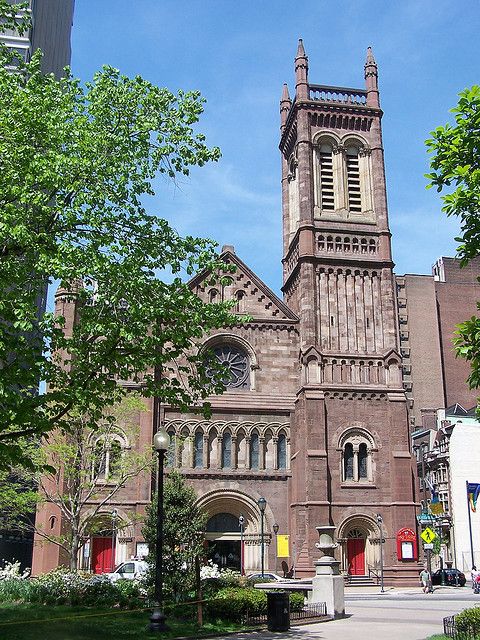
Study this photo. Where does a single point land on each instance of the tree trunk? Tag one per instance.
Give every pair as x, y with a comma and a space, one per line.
75, 539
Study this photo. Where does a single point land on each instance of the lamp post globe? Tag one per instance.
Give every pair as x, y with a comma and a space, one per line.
161, 440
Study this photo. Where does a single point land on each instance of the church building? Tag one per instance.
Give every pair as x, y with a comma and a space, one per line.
315, 418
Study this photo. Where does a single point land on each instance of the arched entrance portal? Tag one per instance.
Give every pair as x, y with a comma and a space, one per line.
356, 540
226, 542
224, 545
360, 548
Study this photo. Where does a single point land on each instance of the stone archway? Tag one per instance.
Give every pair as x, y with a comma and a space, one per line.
359, 545
223, 533
108, 540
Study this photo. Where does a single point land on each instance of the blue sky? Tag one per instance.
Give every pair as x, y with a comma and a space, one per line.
238, 53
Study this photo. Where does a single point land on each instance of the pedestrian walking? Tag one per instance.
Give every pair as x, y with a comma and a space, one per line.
426, 581
475, 579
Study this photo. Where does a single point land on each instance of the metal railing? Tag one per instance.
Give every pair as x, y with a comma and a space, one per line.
449, 626
372, 573
313, 610
450, 630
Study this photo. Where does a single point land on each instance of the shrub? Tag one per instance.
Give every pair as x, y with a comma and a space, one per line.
297, 601
13, 590
468, 622
11, 571
61, 587
131, 594
234, 603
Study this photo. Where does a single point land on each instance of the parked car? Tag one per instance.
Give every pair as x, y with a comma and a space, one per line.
267, 576
131, 570
451, 577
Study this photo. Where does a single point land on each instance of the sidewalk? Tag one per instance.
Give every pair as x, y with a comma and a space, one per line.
375, 616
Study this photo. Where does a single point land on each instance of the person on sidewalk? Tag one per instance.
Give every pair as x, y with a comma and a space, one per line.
426, 581
475, 579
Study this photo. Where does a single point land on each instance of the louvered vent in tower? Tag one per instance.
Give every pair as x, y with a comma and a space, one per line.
353, 181
326, 178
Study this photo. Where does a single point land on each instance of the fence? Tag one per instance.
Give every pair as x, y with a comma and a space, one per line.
314, 610
450, 630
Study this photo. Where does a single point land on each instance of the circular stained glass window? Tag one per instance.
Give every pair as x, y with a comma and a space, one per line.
235, 361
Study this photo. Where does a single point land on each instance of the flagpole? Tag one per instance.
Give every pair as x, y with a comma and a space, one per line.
470, 525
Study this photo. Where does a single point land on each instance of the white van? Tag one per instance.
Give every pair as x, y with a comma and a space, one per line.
130, 570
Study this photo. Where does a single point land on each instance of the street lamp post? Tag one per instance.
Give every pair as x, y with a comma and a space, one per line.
275, 531
241, 523
161, 441
114, 527
262, 504
380, 522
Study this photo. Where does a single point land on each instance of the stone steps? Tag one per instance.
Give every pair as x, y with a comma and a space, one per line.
359, 581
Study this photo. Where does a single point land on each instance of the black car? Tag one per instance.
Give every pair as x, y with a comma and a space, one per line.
451, 577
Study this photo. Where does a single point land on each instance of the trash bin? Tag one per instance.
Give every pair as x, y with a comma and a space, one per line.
278, 611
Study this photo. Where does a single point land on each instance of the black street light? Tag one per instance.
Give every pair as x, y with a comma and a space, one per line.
275, 531
161, 441
114, 533
241, 524
262, 504
380, 522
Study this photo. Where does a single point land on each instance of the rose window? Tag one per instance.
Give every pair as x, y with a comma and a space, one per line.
236, 366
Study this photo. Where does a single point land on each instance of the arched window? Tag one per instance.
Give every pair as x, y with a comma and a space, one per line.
357, 446
240, 301
107, 458
223, 522
282, 451
213, 295
171, 451
353, 180
227, 450
254, 451
235, 363
362, 461
327, 192
198, 450
348, 462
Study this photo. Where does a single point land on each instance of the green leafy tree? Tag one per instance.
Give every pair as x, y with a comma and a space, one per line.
183, 536
81, 472
76, 164
455, 167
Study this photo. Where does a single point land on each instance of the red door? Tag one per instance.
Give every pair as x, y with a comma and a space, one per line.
102, 555
356, 556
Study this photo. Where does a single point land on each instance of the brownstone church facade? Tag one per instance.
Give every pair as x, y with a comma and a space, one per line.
315, 416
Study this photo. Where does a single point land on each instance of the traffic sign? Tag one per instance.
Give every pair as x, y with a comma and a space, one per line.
428, 535
428, 547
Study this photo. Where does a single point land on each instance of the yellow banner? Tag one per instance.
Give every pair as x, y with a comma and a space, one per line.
436, 508
282, 547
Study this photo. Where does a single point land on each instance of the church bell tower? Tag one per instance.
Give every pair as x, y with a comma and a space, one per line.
350, 449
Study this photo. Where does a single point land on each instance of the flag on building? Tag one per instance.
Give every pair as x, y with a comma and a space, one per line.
473, 490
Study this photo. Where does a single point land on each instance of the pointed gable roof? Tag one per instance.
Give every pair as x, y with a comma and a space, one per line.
258, 300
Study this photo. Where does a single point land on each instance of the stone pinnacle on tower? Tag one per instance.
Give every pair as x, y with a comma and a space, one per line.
371, 80
285, 106
301, 72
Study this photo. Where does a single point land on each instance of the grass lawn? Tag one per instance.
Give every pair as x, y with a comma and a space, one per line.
37, 622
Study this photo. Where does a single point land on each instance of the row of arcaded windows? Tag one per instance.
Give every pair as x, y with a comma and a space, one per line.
344, 243
227, 452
